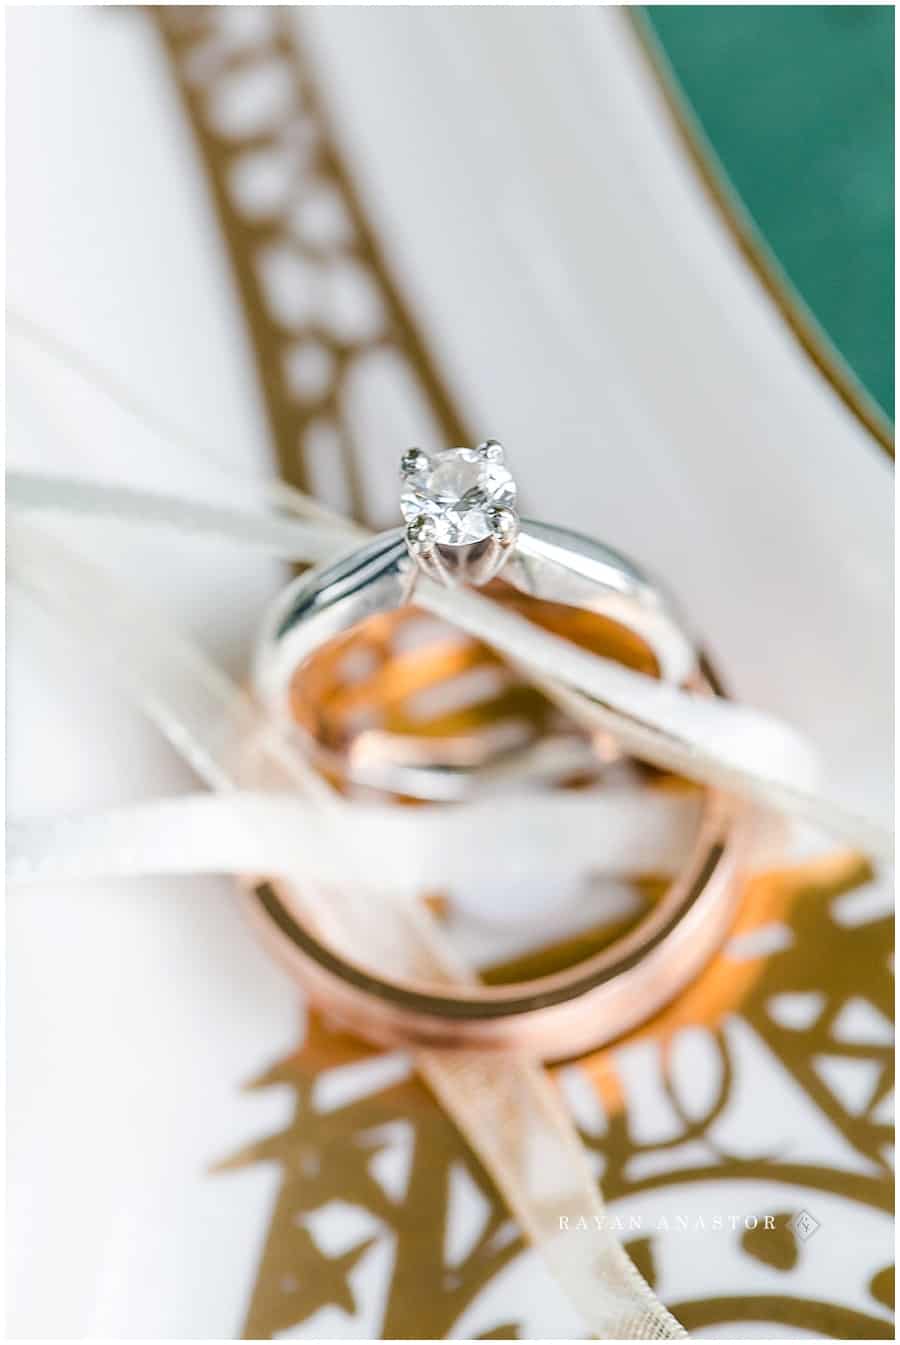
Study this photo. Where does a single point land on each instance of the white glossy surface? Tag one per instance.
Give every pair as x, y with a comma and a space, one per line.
582, 299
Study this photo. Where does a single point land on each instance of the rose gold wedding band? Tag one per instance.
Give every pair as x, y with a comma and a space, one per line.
552, 1017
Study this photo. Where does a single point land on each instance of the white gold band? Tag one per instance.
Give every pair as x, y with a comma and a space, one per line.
545, 562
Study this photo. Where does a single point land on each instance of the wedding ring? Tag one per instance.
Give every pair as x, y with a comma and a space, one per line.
552, 1017
462, 528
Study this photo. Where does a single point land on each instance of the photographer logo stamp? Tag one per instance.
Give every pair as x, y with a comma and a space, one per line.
804, 1225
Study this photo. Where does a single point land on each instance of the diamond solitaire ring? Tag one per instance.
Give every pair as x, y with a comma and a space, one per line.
460, 511
463, 528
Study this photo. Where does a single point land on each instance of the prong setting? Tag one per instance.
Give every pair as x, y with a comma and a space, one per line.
413, 462
421, 532
420, 540
490, 451
504, 525
459, 506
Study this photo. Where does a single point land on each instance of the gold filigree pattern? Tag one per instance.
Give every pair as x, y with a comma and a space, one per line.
824, 965
315, 290
329, 1156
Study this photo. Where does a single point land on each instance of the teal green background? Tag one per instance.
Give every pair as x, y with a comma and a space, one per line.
798, 105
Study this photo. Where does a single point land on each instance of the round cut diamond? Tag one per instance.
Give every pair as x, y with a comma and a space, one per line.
458, 488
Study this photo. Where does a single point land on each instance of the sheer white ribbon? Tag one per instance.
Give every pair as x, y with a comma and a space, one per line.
715, 742
403, 852
507, 1109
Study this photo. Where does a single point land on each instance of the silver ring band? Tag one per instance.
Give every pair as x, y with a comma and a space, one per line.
545, 562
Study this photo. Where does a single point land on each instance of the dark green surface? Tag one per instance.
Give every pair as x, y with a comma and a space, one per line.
797, 102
